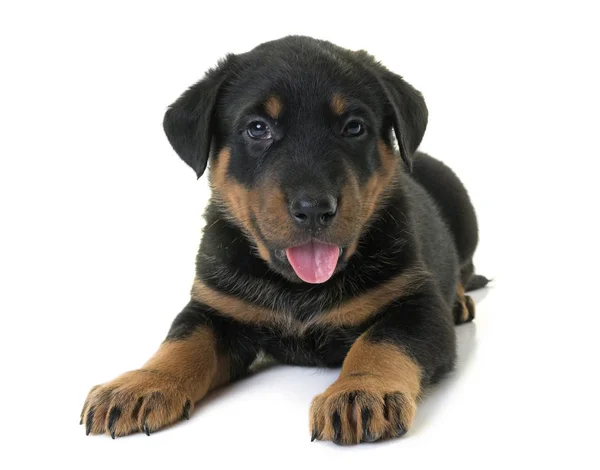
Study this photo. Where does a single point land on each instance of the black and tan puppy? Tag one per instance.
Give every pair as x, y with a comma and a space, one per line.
323, 246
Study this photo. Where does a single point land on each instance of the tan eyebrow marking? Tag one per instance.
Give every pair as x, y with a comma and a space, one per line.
338, 104
273, 107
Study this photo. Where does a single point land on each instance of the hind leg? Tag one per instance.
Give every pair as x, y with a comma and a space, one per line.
464, 307
466, 273
469, 279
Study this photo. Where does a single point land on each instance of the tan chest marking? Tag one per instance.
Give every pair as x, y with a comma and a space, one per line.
350, 313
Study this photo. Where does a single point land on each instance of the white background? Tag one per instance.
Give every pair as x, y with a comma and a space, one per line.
100, 223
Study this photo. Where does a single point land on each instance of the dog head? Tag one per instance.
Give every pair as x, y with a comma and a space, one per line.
299, 133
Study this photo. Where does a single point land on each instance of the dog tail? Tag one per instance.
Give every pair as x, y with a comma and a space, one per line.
477, 281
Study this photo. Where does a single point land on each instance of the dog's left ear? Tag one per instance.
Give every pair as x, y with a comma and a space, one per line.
407, 111
190, 121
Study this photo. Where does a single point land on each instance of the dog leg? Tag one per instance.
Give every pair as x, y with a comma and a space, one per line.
375, 396
464, 307
188, 364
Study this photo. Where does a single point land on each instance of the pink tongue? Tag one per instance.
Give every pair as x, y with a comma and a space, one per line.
313, 262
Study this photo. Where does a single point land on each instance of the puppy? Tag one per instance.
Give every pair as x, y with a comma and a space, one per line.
325, 245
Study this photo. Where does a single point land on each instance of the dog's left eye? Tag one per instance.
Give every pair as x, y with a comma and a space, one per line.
258, 130
353, 129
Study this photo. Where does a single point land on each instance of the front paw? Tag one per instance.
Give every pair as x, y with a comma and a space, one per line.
140, 400
353, 410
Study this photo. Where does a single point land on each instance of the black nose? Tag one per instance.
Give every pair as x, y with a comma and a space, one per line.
313, 212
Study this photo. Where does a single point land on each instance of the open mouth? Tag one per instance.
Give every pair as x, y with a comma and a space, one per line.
313, 262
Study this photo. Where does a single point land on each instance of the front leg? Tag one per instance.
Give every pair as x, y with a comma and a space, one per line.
190, 362
375, 397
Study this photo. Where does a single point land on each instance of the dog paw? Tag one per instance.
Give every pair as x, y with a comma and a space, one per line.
349, 413
140, 400
464, 310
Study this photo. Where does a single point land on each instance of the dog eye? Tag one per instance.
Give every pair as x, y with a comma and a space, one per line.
258, 130
353, 129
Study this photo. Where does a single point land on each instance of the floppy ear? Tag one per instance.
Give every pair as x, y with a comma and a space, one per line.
190, 121
408, 113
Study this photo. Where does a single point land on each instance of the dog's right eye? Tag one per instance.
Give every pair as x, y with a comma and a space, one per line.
353, 128
258, 130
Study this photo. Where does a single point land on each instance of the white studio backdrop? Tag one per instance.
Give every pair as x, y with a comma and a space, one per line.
100, 222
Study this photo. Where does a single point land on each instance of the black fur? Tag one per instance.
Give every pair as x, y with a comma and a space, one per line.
423, 222
429, 218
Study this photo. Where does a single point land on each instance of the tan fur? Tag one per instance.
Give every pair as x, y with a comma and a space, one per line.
240, 203
350, 313
377, 376
358, 310
385, 362
268, 205
179, 374
338, 104
373, 191
273, 217
273, 107
362, 201
193, 359
230, 306
465, 305
460, 298
348, 224
470, 304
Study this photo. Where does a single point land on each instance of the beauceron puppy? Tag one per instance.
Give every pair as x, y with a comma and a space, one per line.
326, 244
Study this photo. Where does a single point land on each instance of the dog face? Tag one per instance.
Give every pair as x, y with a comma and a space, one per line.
299, 134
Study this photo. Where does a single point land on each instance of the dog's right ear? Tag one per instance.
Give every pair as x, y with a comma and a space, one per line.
190, 121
